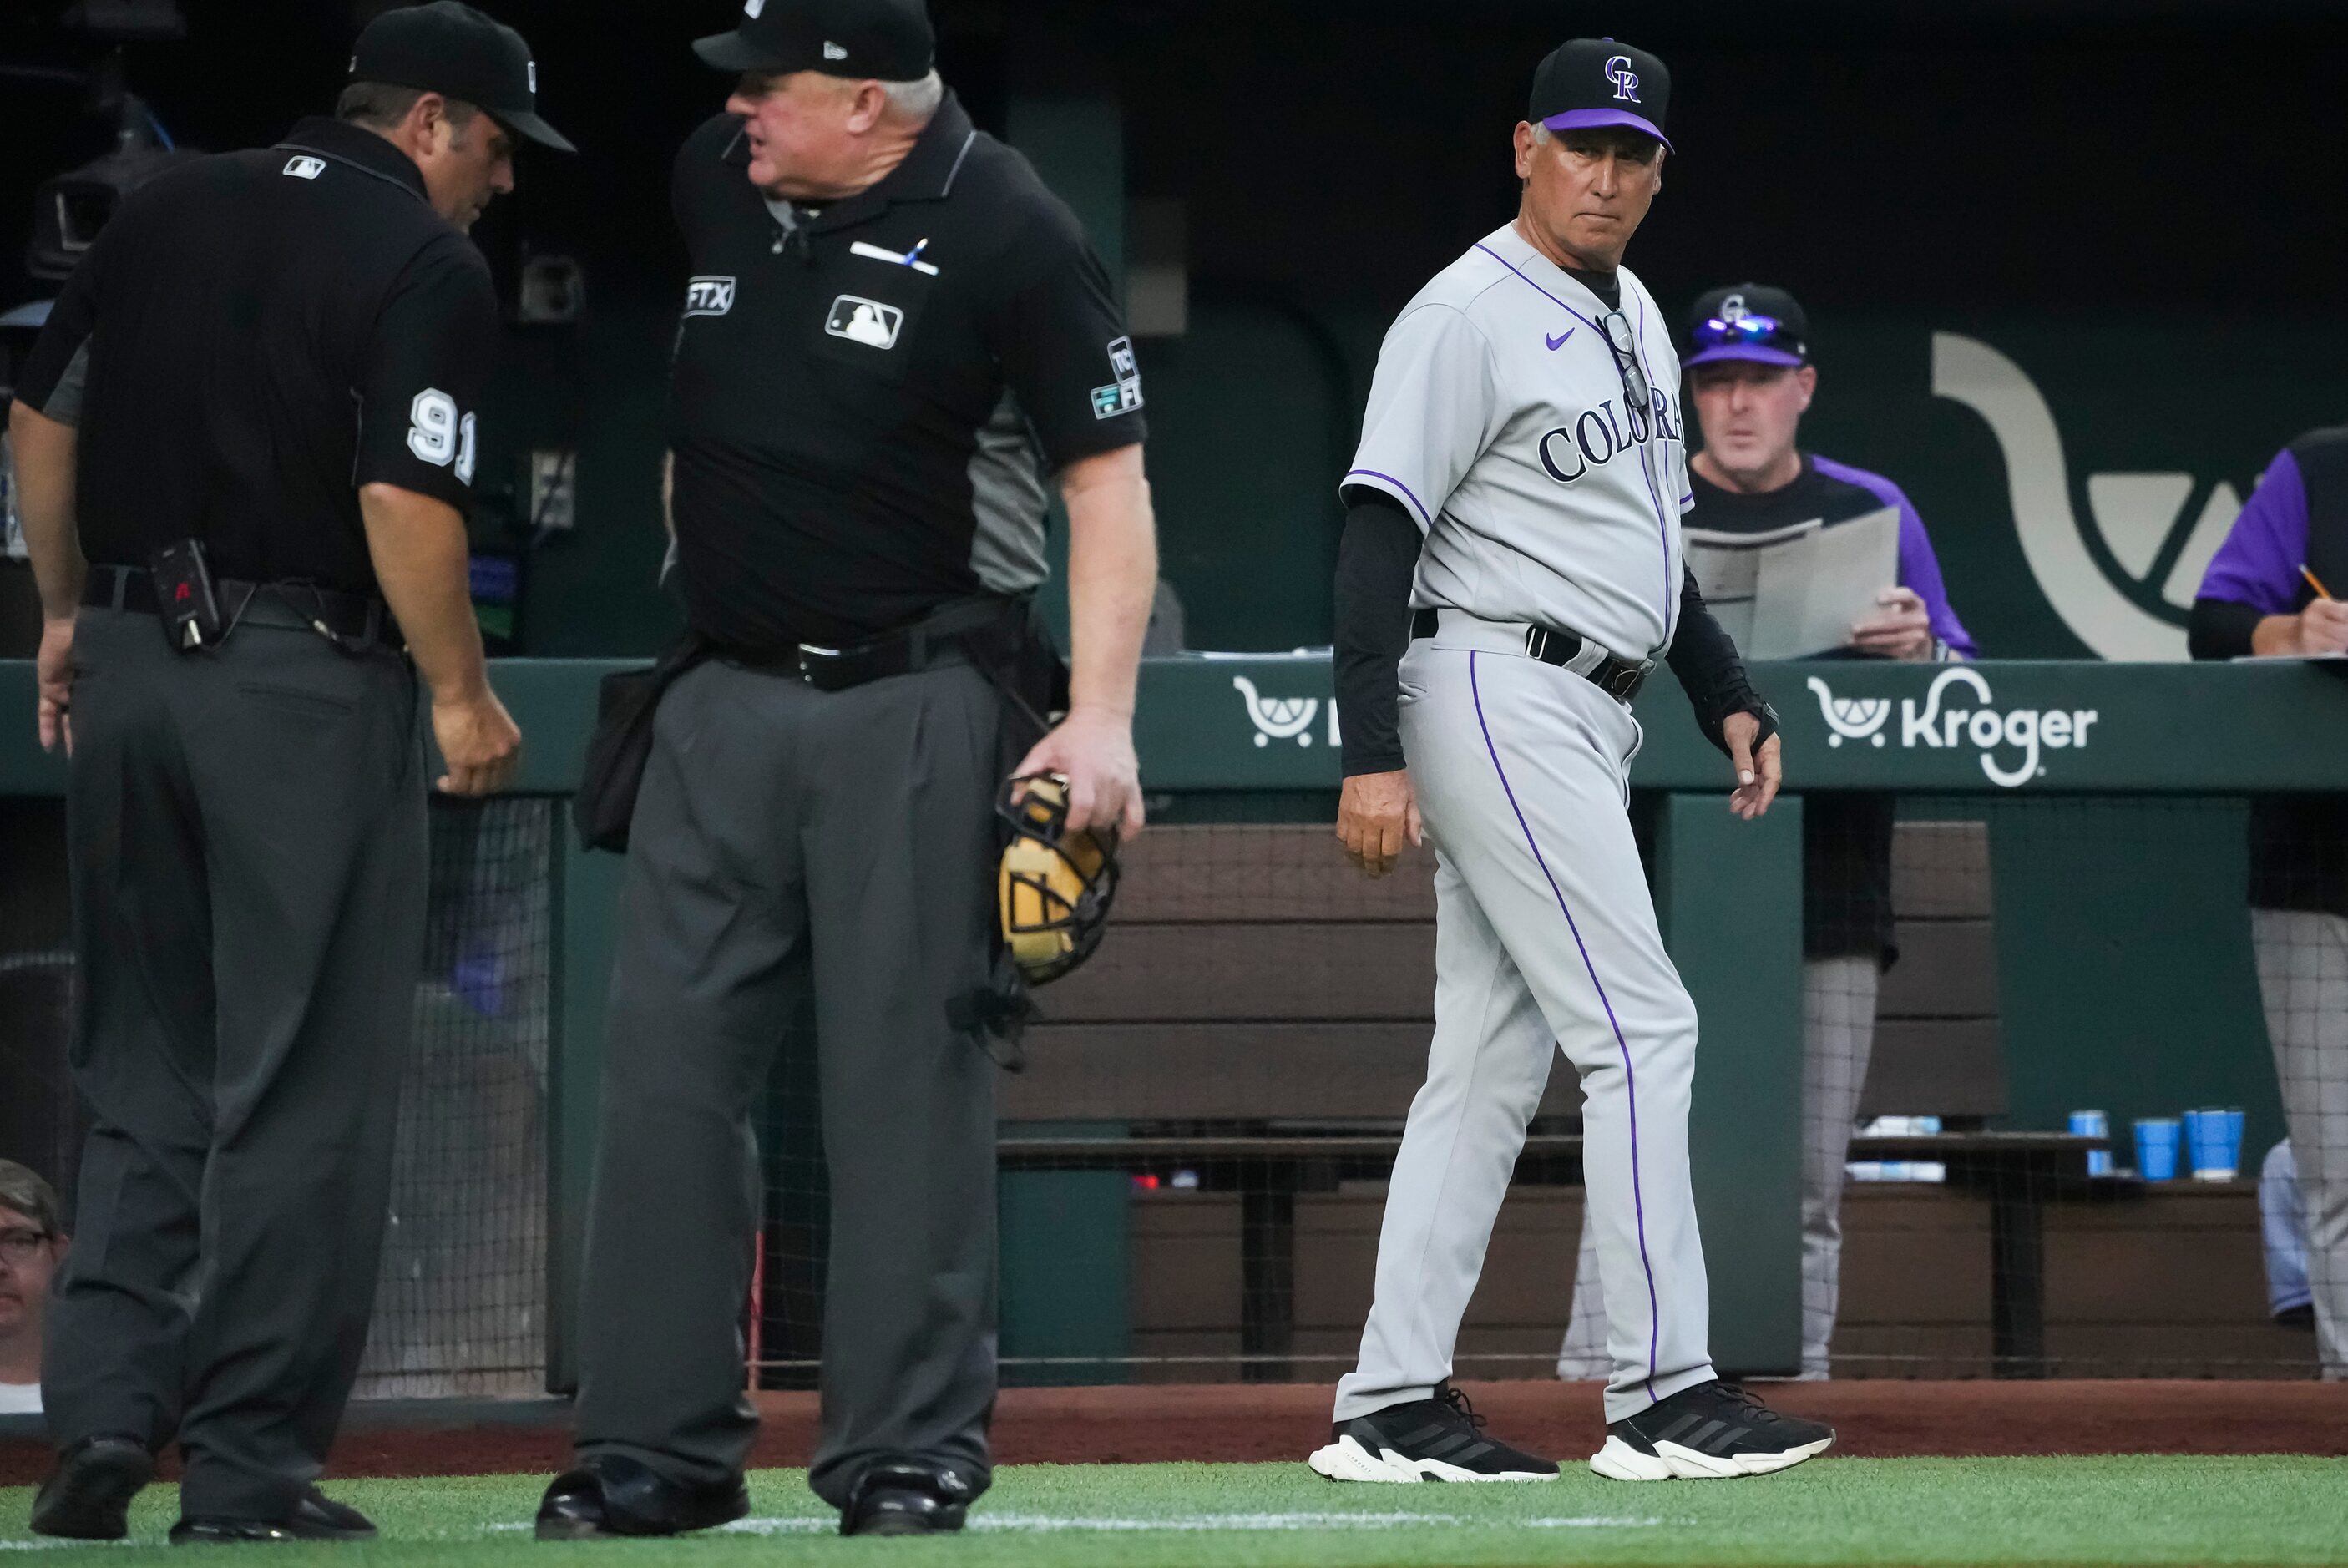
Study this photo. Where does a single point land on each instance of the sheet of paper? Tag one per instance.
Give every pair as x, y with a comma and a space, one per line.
1795, 592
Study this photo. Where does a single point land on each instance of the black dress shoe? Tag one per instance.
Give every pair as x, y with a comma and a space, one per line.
611, 1494
316, 1517
905, 1500
89, 1496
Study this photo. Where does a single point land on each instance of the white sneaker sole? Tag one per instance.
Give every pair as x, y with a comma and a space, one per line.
1346, 1460
1618, 1460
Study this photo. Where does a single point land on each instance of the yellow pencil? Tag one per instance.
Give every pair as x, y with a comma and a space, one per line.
2314, 581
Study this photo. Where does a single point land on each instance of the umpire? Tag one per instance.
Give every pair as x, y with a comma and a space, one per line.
246, 441
894, 332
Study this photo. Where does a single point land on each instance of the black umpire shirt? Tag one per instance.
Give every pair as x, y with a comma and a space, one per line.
868, 395
258, 335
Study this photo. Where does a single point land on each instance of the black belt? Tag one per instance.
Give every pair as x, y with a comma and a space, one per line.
1618, 678
942, 639
357, 622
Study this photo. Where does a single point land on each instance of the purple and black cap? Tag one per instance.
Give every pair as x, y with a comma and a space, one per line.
1748, 320
879, 40
1591, 82
450, 48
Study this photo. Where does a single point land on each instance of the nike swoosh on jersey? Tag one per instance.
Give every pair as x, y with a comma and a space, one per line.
1559, 342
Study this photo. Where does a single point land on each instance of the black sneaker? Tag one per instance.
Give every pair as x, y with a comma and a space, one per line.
89, 1498
314, 1517
1440, 1438
1710, 1430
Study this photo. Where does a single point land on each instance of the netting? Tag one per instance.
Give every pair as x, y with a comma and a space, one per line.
1194, 1166
461, 1306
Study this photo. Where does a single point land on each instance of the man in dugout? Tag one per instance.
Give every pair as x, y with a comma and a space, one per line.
246, 444
2269, 592
893, 337
1751, 378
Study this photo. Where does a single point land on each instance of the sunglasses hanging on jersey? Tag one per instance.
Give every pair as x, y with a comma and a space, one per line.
1750, 332
1638, 397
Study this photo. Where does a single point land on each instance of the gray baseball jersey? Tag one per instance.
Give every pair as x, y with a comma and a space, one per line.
1498, 418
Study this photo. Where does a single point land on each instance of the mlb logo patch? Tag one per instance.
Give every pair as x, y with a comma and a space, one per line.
867, 321
306, 168
708, 296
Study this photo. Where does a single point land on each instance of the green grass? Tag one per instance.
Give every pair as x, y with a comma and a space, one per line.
2133, 1510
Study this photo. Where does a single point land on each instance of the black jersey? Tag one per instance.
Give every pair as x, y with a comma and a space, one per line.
257, 335
867, 397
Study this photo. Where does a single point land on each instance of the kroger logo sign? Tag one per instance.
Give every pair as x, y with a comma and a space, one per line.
1959, 710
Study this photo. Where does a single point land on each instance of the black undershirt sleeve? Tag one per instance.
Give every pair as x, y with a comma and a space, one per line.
2221, 629
1377, 556
1711, 671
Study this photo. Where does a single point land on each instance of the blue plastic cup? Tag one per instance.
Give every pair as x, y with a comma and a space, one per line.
2156, 1138
2094, 1124
2213, 1142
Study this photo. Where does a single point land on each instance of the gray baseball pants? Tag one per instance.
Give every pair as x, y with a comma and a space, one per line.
1546, 939
2303, 960
791, 844
1837, 1037
250, 863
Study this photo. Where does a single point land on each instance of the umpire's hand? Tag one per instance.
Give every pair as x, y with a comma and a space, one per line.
1377, 813
478, 740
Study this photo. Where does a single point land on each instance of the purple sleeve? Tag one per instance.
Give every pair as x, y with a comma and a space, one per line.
1920, 568
2259, 564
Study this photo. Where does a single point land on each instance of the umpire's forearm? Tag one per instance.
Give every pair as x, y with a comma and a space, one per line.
1112, 578
422, 562
46, 452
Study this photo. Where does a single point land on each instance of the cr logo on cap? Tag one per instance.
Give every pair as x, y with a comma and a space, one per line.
1625, 80
1731, 309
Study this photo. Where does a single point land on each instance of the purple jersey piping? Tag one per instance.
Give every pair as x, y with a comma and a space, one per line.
1663, 529
1373, 474
1630, 1081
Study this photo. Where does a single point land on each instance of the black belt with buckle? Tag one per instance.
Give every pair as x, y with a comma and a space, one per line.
353, 622
940, 640
1618, 678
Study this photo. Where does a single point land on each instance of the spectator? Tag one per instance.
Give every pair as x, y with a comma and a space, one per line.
1751, 380
32, 1244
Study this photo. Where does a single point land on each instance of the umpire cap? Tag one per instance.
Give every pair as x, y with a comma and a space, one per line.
1748, 320
449, 48
883, 40
1597, 81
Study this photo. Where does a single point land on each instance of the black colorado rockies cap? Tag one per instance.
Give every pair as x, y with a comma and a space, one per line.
1748, 320
449, 48
884, 40
1597, 81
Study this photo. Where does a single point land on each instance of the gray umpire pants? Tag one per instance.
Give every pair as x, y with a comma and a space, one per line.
249, 848
2303, 960
789, 841
1837, 1037
1545, 939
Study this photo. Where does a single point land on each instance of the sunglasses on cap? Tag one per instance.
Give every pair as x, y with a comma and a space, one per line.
1750, 332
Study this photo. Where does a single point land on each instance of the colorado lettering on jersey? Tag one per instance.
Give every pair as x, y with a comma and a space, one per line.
1597, 434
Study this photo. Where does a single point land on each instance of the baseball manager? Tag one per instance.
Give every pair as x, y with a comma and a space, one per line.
1515, 526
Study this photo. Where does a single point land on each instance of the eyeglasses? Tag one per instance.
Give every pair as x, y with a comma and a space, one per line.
18, 1247
1636, 394
1749, 332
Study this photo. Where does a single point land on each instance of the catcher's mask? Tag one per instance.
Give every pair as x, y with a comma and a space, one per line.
1056, 885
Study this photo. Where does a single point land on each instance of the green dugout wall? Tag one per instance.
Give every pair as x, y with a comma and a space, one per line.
2115, 793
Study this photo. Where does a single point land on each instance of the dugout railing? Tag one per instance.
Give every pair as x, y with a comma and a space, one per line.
1250, 1033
